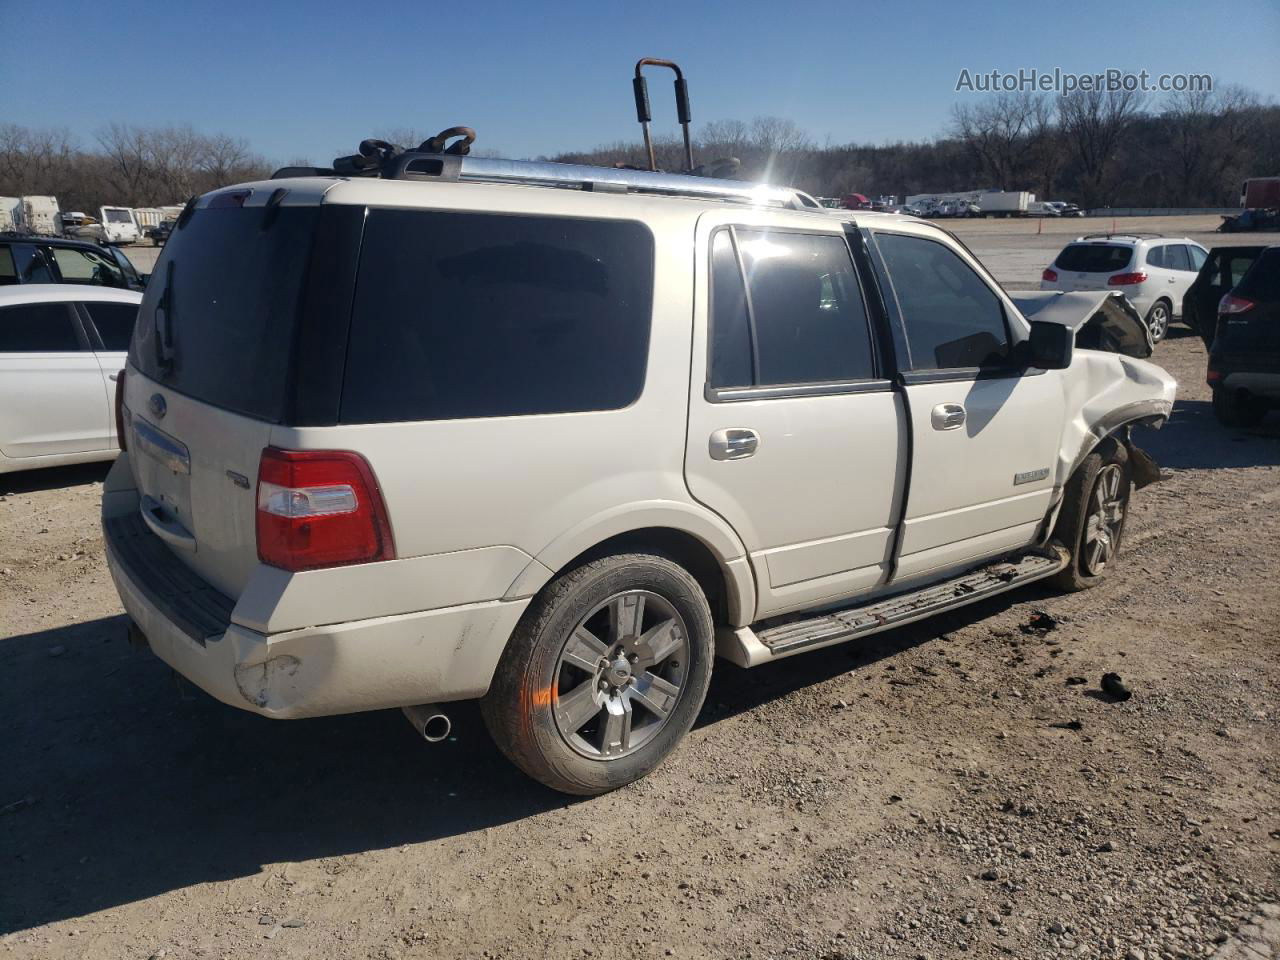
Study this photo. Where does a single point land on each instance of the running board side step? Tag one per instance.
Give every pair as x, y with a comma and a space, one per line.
750, 647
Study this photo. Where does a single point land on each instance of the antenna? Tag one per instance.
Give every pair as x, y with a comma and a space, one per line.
643, 114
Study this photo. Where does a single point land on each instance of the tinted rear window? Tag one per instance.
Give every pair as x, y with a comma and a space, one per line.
114, 323
37, 328
483, 315
1262, 282
1094, 258
227, 287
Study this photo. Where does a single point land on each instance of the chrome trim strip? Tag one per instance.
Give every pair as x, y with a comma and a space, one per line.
158, 444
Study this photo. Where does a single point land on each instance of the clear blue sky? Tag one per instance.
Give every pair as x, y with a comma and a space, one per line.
301, 80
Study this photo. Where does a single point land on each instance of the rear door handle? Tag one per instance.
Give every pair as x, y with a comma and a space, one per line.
733, 443
947, 416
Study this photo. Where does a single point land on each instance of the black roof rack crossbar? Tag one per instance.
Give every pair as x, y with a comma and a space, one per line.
1121, 233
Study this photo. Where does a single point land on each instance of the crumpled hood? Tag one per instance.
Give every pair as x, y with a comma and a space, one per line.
1101, 319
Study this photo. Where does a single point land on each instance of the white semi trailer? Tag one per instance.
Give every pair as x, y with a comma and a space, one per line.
993, 203
40, 215
10, 214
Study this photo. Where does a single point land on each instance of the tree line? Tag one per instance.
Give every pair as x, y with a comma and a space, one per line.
125, 166
1093, 148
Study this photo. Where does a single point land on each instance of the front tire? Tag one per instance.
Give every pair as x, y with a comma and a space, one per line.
604, 675
1091, 523
1158, 319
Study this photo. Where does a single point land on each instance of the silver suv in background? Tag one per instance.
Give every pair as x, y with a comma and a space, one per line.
1153, 272
554, 436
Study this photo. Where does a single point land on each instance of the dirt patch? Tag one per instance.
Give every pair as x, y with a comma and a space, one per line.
949, 789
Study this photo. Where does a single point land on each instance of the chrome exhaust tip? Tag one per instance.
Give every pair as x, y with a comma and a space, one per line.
432, 724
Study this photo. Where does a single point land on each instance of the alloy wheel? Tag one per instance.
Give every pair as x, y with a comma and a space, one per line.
1104, 521
620, 675
1158, 322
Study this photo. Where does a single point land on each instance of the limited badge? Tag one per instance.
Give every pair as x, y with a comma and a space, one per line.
1031, 476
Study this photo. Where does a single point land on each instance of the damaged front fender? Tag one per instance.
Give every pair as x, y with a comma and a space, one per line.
1109, 386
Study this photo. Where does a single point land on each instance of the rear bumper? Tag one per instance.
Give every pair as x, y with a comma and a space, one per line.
1258, 383
392, 661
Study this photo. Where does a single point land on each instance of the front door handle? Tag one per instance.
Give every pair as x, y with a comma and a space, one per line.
947, 416
733, 443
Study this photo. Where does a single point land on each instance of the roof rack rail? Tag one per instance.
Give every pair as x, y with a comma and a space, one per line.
387, 161
1120, 233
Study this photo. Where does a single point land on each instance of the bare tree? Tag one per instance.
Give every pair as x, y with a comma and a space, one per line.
1095, 123
1000, 131
1208, 133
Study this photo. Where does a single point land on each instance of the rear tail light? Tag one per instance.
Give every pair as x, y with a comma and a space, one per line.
1127, 279
121, 413
320, 508
1233, 304
1049, 274
1212, 376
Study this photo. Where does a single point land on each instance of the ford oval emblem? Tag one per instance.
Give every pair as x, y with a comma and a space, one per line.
158, 406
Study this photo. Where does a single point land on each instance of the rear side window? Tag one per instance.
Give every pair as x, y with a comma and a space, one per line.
731, 350
218, 320
114, 322
1176, 257
80, 265
31, 264
37, 328
1234, 267
1262, 282
802, 318
1094, 258
1158, 257
8, 272
462, 315
952, 318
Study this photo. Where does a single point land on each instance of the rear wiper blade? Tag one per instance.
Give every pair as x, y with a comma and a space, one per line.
164, 323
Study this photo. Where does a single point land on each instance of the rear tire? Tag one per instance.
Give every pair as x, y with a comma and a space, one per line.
604, 675
1158, 319
1091, 523
1235, 408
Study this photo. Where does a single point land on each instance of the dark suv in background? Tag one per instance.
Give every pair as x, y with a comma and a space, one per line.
1244, 356
1225, 267
35, 259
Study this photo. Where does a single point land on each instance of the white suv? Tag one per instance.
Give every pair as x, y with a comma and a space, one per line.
553, 436
1153, 272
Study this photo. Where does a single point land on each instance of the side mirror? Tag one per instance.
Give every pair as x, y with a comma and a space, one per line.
145, 278
1049, 347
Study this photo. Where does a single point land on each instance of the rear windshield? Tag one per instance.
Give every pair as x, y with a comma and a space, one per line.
218, 318
485, 315
1094, 258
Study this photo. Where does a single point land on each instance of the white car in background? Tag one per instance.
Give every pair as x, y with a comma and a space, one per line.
1153, 272
62, 347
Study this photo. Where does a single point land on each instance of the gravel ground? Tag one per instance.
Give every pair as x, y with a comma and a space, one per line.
957, 788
